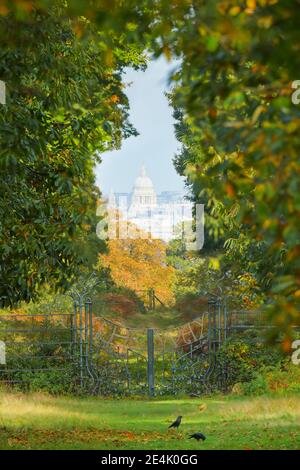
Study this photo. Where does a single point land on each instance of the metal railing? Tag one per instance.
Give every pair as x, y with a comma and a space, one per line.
101, 356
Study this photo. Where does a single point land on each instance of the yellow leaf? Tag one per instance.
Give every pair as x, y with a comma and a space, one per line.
251, 4
265, 22
214, 263
167, 52
109, 58
234, 11
267, 223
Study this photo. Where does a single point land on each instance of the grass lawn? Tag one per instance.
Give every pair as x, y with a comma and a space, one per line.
44, 422
164, 318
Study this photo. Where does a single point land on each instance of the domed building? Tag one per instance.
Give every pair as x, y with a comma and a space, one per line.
157, 216
143, 193
145, 213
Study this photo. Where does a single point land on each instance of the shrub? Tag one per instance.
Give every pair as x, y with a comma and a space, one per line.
284, 379
257, 386
55, 382
243, 357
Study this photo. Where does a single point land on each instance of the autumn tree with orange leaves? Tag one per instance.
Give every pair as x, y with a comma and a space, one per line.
140, 264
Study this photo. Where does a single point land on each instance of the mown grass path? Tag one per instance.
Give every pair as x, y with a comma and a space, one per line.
43, 422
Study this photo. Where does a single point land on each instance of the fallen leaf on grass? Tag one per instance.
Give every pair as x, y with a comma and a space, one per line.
23, 438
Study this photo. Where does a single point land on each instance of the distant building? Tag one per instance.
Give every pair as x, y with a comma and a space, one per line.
157, 215
143, 193
167, 197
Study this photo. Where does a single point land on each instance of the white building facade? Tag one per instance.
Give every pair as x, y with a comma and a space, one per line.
162, 216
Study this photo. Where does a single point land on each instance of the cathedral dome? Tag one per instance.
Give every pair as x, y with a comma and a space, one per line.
143, 193
143, 182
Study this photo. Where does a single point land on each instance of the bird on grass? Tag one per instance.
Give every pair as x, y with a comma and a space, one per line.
176, 423
198, 436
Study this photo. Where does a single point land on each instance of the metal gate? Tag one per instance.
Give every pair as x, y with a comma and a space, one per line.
154, 361
82, 352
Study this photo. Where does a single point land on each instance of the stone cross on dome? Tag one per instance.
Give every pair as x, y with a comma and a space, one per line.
143, 171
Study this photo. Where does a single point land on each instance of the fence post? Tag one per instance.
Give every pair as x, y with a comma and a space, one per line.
86, 333
73, 325
219, 323
150, 299
153, 299
80, 343
225, 319
2, 353
209, 331
150, 368
90, 331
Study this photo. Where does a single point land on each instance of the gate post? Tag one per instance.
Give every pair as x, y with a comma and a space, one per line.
90, 331
153, 299
225, 319
73, 326
150, 365
81, 339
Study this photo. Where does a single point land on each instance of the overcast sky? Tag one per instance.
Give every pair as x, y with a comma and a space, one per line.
156, 144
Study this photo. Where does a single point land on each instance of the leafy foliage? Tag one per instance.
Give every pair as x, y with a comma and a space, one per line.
238, 128
242, 359
65, 105
140, 264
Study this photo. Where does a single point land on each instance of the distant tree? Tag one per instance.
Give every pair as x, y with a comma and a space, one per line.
140, 264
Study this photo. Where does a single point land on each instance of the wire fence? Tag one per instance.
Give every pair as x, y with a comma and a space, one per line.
36, 346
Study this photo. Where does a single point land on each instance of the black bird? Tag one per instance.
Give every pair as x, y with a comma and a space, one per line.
176, 423
198, 436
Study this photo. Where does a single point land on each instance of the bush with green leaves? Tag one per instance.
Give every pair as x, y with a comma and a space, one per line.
257, 386
243, 356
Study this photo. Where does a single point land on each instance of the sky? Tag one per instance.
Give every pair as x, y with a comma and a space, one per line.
156, 144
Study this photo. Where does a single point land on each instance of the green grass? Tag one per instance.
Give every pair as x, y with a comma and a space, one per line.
160, 318
154, 319
44, 422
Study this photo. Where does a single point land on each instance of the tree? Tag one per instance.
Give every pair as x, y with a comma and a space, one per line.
241, 147
65, 106
140, 264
